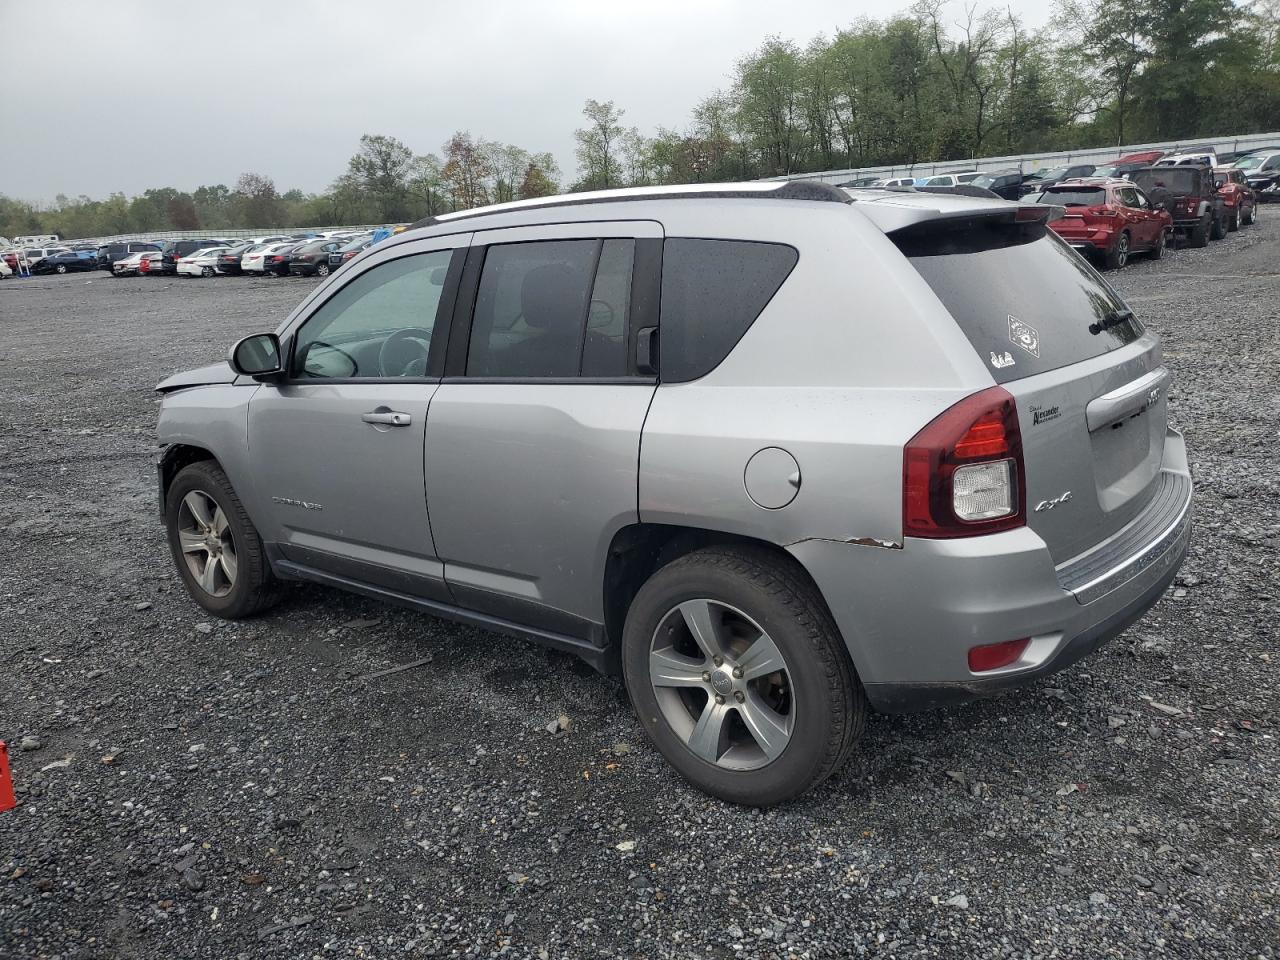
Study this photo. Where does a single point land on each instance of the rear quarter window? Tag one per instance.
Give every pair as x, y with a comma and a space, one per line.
1025, 301
712, 292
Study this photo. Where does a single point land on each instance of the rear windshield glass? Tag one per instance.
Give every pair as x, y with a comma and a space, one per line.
1075, 197
1174, 179
1025, 300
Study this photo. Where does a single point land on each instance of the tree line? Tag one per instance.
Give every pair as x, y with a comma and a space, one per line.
933, 83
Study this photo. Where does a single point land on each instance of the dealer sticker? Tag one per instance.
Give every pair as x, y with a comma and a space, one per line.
1024, 335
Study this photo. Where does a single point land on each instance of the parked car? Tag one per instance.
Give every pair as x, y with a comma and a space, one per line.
1195, 158
1191, 197
109, 253
278, 260
200, 263
173, 249
254, 260
348, 250
1238, 196
1109, 219
130, 265
67, 261
899, 527
312, 259
1035, 182
5, 269
151, 263
948, 179
34, 255
229, 259
1006, 184
1262, 170
895, 182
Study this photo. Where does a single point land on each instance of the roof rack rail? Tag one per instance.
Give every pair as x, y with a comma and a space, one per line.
812, 190
959, 190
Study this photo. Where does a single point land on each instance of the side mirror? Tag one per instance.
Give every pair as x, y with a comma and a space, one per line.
256, 356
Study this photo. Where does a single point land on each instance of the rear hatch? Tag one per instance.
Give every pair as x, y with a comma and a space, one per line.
1088, 382
1082, 210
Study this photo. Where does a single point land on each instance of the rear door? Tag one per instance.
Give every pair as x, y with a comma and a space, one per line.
533, 439
1088, 381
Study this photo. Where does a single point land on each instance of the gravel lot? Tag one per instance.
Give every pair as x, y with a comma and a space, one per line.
192, 788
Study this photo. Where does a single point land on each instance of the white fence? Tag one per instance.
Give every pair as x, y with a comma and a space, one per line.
1029, 162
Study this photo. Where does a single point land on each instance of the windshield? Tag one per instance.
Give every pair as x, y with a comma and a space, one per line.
1249, 163
1110, 171
1074, 197
1012, 284
1053, 173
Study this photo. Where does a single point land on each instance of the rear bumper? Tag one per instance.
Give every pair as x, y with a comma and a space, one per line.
910, 643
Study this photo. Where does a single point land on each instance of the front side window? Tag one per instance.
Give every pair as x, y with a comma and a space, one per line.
552, 309
379, 325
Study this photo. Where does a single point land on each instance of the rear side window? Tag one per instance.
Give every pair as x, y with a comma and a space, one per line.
1026, 302
552, 309
712, 291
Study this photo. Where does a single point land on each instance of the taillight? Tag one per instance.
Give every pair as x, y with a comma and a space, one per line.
1103, 211
963, 475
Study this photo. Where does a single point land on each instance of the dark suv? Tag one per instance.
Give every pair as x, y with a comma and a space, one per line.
1190, 195
109, 253
173, 249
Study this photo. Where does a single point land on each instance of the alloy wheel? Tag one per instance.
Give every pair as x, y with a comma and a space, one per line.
207, 545
722, 684
1122, 250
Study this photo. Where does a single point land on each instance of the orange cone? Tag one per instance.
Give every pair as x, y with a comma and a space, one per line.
7, 799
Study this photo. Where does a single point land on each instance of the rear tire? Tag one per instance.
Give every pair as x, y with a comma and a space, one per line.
1219, 230
1161, 241
1118, 255
322, 270
206, 271
1252, 216
214, 544
1199, 236
752, 602
1234, 223
61, 268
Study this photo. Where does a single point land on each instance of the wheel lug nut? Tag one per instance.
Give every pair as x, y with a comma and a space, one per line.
706, 676
737, 673
737, 695
719, 661
719, 699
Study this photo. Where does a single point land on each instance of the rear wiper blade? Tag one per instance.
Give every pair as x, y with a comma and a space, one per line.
1117, 318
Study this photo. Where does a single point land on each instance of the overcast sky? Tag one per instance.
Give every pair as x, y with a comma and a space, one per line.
125, 95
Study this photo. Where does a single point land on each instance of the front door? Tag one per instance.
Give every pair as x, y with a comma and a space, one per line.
533, 439
339, 442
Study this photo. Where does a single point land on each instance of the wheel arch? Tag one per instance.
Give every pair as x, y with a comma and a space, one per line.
639, 550
172, 459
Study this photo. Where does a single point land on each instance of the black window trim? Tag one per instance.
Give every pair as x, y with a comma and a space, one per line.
439, 331
646, 277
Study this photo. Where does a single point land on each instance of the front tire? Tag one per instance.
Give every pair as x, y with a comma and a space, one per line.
61, 268
214, 544
1162, 241
739, 676
1234, 223
1219, 230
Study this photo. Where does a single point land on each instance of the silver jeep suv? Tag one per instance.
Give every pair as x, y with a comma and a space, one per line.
773, 452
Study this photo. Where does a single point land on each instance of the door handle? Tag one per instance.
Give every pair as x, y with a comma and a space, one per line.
389, 417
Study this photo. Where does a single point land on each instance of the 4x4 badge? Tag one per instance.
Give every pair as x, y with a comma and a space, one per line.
1000, 361
1024, 335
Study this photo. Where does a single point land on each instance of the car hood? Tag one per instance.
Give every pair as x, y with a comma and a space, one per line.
213, 374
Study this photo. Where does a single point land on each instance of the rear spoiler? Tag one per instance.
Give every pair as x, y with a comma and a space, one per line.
897, 208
